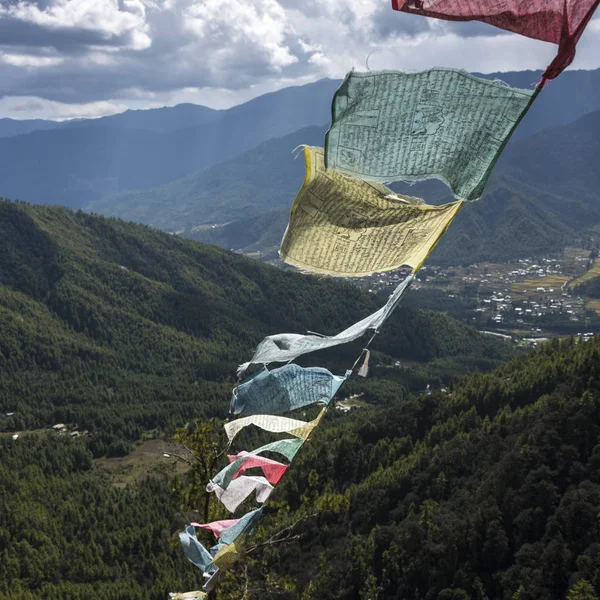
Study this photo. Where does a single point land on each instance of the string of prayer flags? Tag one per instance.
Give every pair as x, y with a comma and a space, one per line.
285, 347
346, 227
386, 126
442, 123
561, 22
284, 389
239, 489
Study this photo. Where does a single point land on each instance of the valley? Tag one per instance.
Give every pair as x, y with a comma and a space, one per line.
528, 300
464, 465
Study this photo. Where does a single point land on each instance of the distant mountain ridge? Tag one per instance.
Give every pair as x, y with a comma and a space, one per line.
160, 120
75, 165
139, 150
10, 127
245, 186
544, 192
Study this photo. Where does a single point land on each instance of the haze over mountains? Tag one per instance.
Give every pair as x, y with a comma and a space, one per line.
74, 165
542, 196
187, 168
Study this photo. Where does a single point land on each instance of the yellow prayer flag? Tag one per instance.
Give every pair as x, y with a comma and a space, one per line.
305, 431
229, 553
346, 227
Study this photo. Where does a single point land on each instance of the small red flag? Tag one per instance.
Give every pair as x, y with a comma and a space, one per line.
559, 21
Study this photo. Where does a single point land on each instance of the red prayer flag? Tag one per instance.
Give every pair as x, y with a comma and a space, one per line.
559, 21
272, 469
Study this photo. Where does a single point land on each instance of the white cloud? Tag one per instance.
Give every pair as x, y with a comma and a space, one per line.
23, 60
227, 28
219, 52
28, 107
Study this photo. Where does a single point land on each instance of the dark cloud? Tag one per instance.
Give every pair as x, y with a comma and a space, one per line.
66, 40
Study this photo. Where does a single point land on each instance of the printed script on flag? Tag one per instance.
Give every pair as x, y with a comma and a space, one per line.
439, 124
347, 227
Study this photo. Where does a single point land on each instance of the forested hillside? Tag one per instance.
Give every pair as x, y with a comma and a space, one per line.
68, 533
590, 287
122, 329
491, 490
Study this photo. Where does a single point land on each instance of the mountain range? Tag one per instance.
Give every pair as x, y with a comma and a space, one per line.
542, 196
79, 163
229, 176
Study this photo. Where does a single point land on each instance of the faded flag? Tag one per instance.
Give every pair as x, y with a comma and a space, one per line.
239, 489
274, 424
284, 347
284, 389
272, 469
346, 227
195, 552
229, 553
217, 527
440, 124
559, 21
245, 525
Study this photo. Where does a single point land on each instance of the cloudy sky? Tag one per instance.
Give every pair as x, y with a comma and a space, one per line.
86, 58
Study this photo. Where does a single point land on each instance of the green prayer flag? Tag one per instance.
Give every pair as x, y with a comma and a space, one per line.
443, 123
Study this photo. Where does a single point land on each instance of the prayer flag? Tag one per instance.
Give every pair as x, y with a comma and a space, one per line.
195, 552
559, 21
272, 469
228, 554
284, 347
217, 527
443, 123
244, 526
239, 489
346, 227
284, 389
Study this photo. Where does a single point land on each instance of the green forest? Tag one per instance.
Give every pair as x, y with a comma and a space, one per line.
121, 329
489, 490
590, 287
487, 486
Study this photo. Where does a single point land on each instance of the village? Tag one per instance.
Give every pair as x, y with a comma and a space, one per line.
529, 300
